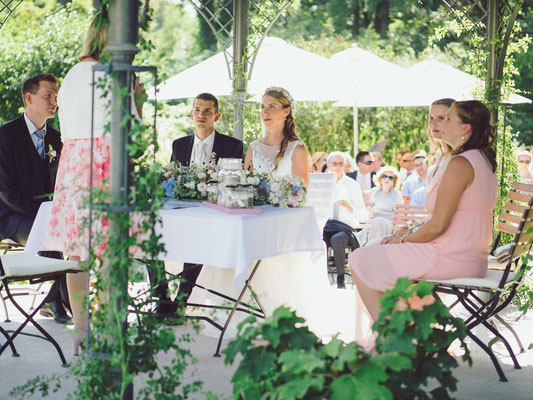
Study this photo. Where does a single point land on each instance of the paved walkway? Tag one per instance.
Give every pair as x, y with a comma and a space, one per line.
39, 358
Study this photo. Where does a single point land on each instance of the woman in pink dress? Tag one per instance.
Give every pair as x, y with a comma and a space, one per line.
454, 242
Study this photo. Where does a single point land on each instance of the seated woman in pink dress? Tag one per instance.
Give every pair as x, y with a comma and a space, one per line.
454, 241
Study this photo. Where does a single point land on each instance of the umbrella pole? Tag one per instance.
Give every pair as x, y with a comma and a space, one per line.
355, 130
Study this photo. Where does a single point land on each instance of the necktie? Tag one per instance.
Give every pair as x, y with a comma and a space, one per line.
203, 152
39, 145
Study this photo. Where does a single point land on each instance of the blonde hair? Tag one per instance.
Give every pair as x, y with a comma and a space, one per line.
95, 39
317, 157
440, 145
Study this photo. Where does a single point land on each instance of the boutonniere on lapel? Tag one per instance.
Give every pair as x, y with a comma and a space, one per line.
213, 156
52, 154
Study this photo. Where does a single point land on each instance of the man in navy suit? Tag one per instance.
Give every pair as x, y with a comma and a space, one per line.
29, 156
206, 144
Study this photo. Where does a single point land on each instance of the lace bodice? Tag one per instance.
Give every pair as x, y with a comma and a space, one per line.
263, 157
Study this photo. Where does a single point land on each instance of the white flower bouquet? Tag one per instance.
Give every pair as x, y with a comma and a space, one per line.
188, 182
287, 192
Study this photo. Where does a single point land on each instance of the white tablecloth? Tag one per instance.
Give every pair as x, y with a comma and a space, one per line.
205, 236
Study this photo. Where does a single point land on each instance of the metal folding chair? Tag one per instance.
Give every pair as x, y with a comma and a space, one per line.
28, 267
8, 245
483, 298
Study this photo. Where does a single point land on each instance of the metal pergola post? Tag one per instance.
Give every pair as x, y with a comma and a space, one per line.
492, 93
123, 37
240, 64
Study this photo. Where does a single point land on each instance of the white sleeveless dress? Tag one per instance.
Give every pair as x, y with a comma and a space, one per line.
295, 280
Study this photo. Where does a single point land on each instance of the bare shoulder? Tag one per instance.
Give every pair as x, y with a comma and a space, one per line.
459, 164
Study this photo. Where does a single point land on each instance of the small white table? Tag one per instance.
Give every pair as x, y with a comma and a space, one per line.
200, 235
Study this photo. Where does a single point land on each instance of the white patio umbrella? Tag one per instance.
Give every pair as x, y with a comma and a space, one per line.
369, 81
307, 76
436, 80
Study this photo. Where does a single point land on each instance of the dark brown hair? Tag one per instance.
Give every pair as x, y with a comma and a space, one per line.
482, 137
289, 129
31, 85
207, 97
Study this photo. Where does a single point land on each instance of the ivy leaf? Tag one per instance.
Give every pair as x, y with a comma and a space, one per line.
296, 361
298, 388
343, 388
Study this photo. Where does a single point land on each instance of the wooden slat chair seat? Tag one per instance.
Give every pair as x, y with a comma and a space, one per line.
500, 285
403, 213
28, 267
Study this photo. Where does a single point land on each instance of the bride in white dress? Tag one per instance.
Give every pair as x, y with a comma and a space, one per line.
294, 280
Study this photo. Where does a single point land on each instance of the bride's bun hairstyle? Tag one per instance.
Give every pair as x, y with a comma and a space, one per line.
482, 138
289, 129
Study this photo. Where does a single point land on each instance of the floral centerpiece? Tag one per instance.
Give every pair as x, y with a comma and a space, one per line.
261, 184
288, 192
188, 182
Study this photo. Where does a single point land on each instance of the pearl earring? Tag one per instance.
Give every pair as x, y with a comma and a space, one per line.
463, 137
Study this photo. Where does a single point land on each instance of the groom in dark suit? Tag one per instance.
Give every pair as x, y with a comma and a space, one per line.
29, 156
206, 144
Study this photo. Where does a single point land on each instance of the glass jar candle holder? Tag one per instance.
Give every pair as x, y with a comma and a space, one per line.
212, 191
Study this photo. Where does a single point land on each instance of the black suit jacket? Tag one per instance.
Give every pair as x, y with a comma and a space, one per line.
353, 175
24, 176
224, 147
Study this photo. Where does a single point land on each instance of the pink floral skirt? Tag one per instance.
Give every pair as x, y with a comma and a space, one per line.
70, 211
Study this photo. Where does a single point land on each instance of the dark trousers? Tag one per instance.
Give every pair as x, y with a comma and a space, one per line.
190, 275
339, 241
58, 291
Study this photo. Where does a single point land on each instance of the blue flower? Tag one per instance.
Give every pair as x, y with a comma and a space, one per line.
168, 185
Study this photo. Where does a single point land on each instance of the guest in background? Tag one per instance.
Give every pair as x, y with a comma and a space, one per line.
384, 196
349, 166
29, 155
82, 135
347, 212
399, 156
407, 167
319, 161
417, 180
378, 160
364, 175
524, 166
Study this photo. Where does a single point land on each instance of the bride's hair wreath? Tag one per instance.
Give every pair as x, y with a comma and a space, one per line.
284, 92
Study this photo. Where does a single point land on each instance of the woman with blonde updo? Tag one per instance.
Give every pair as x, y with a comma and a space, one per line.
318, 161
280, 152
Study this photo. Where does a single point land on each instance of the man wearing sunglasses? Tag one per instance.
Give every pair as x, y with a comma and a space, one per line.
364, 176
417, 180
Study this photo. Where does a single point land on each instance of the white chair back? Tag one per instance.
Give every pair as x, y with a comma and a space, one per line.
320, 195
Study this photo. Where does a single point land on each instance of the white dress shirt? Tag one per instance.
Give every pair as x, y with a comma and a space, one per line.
202, 149
349, 190
32, 128
364, 181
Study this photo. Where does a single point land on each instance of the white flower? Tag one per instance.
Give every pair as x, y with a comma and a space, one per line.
52, 154
201, 175
275, 187
202, 187
190, 185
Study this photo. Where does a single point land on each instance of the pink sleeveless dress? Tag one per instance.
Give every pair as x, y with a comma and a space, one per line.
460, 252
